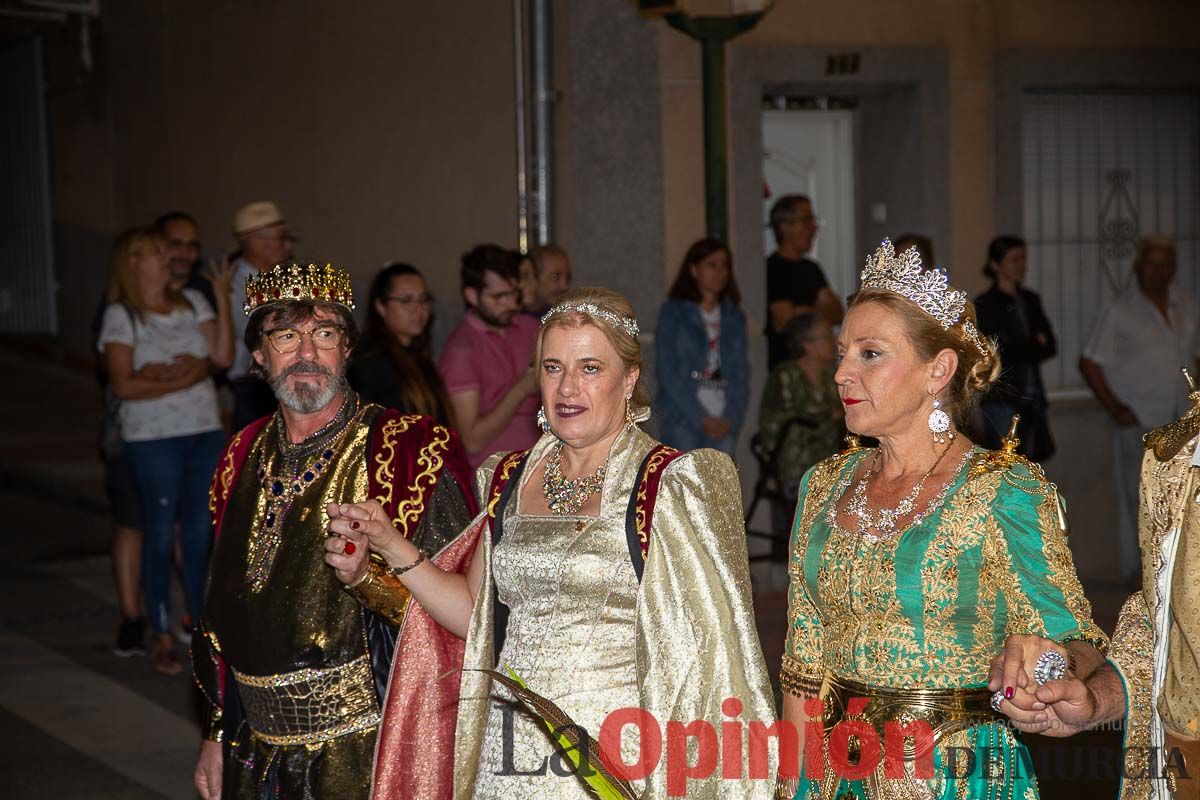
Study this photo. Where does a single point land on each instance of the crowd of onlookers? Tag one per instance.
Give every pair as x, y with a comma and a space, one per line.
170, 332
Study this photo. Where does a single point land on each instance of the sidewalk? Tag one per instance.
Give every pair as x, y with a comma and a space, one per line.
75, 721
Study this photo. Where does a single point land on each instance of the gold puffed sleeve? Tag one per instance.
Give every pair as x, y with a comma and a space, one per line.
803, 668
698, 652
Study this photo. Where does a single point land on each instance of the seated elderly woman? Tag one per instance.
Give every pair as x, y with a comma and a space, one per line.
928, 575
614, 578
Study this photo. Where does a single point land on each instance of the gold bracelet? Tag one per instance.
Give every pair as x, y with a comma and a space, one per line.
398, 571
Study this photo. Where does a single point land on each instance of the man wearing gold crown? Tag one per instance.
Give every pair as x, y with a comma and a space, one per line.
1154, 682
316, 690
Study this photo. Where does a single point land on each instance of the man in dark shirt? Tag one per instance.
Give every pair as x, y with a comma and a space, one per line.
795, 284
182, 233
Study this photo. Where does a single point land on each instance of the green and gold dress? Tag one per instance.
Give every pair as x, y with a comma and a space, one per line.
912, 622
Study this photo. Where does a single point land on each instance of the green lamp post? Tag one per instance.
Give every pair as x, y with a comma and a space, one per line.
704, 22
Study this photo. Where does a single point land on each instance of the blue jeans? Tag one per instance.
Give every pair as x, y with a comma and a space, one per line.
685, 436
173, 477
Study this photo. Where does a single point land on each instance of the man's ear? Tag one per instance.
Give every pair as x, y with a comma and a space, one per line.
471, 295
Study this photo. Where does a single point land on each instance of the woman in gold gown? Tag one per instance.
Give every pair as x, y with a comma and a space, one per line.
929, 576
620, 581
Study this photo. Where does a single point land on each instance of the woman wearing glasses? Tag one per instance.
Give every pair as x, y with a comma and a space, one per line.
392, 365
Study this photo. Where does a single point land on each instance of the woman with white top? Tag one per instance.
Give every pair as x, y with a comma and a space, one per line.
700, 353
160, 347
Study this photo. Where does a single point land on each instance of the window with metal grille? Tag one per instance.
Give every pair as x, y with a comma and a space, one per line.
1099, 171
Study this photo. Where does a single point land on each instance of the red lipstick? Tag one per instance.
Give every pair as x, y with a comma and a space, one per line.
850, 401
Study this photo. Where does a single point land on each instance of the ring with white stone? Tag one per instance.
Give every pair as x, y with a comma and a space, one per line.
997, 699
1051, 666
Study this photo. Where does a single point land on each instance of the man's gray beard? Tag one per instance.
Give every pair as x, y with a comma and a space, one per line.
306, 398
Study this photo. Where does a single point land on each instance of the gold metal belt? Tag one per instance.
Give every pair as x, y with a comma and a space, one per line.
946, 710
310, 705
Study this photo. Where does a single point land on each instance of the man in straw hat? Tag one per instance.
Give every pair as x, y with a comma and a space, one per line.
293, 655
264, 241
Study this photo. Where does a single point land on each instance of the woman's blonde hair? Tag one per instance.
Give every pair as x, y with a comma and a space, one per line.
628, 348
123, 284
976, 371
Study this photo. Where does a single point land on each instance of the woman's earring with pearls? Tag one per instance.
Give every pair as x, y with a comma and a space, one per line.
939, 423
542, 422
629, 420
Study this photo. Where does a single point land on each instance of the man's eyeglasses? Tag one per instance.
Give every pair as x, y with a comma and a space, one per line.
287, 340
511, 294
410, 300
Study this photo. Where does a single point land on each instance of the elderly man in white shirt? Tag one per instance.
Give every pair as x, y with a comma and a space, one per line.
1132, 364
263, 236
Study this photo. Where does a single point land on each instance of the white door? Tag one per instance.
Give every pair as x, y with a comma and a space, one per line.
812, 153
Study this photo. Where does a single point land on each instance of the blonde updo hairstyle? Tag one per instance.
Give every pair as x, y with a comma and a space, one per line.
628, 348
976, 371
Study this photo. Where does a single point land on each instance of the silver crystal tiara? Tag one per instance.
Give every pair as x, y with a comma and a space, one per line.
929, 289
628, 324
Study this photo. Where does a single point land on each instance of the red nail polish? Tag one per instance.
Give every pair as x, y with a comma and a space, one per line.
1008, 692
354, 525
350, 548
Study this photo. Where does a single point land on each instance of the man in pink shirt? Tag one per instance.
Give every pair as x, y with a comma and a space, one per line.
487, 360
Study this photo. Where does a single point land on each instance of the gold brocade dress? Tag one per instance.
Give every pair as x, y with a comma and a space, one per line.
572, 598
583, 632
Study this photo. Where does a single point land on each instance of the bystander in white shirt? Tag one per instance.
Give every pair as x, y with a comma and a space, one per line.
1141, 353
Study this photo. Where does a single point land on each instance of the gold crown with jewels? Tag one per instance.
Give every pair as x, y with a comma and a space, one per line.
930, 289
298, 282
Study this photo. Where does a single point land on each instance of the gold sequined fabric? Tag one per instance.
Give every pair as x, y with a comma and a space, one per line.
677, 645
1179, 703
300, 619
926, 611
1156, 645
310, 705
572, 598
932, 606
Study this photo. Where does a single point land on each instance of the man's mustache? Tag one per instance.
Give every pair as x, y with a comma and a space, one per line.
306, 368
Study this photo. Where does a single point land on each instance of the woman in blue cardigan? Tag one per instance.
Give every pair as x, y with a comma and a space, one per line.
700, 353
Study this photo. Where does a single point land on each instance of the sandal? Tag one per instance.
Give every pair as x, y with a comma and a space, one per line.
165, 661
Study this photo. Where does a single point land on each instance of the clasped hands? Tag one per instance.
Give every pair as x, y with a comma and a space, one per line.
1057, 708
355, 529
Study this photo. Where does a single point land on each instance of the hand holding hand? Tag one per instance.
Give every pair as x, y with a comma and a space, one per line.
1070, 706
1012, 672
346, 552
366, 524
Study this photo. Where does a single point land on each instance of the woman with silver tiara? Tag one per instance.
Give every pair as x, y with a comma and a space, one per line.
929, 576
611, 577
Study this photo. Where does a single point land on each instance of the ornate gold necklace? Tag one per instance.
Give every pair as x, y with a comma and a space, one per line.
566, 496
884, 519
